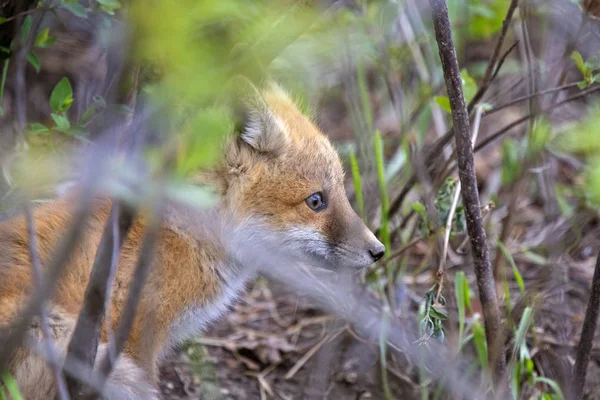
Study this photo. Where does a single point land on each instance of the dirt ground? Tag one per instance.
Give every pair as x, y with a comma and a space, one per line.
278, 345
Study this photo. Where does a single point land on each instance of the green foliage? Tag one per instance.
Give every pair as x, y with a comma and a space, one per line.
76, 9
587, 68
432, 315
385, 201
511, 260
469, 89
463, 301
480, 344
61, 97
512, 166
443, 203
486, 17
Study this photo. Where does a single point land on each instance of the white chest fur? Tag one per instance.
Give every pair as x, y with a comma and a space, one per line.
197, 318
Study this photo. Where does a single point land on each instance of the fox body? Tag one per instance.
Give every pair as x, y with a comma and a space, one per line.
278, 172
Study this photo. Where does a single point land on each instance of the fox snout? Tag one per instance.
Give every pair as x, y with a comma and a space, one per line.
369, 246
376, 250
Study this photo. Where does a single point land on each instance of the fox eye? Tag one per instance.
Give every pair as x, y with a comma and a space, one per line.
315, 202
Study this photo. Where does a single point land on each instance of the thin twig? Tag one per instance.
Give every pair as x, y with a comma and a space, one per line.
468, 179
15, 335
503, 58
84, 342
489, 71
36, 264
582, 358
142, 269
529, 96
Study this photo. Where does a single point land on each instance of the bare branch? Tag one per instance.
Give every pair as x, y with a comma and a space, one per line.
588, 331
84, 342
470, 194
140, 274
15, 334
37, 272
489, 71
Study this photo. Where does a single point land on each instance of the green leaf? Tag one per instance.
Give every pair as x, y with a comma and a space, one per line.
443, 102
521, 333
512, 162
486, 18
62, 96
419, 208
37, 129
26, 28
511, 260
99, 101
11, 385
34, 61
87, 115
76, 9
125, 109
576, 57
43, 39
480, 344
592, 63
3, 20
62, 122
109, 6
468, 84
438, 313
538, 137
460, 281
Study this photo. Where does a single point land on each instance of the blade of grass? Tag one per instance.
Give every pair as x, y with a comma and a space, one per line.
480, 345
459, 291
3, 82
364, 98
511, 260
385, 201
521, 333
360, 203
552, 384
11, 386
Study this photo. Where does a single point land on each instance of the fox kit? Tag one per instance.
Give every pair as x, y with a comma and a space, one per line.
278, 171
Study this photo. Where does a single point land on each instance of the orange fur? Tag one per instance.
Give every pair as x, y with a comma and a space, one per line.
266, 173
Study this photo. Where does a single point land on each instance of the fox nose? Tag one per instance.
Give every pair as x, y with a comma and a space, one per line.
377, 251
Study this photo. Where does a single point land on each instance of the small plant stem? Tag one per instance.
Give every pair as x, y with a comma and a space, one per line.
442, 267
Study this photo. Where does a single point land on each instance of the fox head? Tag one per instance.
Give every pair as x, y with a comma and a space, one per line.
281, 170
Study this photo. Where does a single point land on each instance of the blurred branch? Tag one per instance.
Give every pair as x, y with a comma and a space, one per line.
15, 333
142, 269
47, 336
84, 342
470, 194
588, 331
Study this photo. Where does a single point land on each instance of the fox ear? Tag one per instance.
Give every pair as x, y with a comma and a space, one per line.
255, 122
